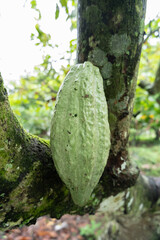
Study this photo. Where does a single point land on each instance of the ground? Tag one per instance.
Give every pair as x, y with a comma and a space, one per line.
146, 155
68, 227
97, 227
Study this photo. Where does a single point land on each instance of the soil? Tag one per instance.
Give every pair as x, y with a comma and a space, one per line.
74, 227
66, 228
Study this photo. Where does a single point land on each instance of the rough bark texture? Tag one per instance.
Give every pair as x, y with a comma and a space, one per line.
110, 35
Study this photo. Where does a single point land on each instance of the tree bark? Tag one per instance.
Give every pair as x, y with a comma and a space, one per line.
110, 35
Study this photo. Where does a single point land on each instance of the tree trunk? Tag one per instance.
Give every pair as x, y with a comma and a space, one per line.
110, 34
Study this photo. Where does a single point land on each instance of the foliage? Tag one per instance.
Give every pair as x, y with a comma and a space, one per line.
70, 9
146, 156
149, 110
146, 107
152, 29
34, 98
90, 230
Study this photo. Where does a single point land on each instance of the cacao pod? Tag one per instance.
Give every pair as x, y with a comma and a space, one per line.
80, 135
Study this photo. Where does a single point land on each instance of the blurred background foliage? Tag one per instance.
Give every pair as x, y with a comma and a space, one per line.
146, 121
33, 97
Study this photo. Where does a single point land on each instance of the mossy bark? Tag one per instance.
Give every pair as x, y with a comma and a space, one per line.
29, 183
110, 35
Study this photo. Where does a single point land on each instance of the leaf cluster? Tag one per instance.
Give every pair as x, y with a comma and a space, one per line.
147, 106
33, 99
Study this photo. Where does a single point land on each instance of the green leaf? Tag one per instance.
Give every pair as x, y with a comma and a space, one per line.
39, 16
33, 4
32, 36
64, 4
57, 11
37, 28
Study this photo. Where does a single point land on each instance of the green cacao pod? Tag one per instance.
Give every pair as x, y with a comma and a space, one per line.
80, 135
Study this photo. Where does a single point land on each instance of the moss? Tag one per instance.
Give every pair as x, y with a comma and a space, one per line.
10, 149
115, 88
122, 105
119, 44
23, 158
112, 203
112, 120
106, 70
118, 17
22, 192
92, 43
3, 92
138, 201
97, 57
46, 142
91, 11
141, 32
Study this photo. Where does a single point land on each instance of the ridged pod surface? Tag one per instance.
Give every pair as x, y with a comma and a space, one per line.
80, 135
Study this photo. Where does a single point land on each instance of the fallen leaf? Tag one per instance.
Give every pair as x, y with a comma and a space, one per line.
47, 233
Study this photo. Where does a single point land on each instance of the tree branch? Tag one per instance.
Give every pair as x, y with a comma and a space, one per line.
28, 180
150, 34
154, 88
